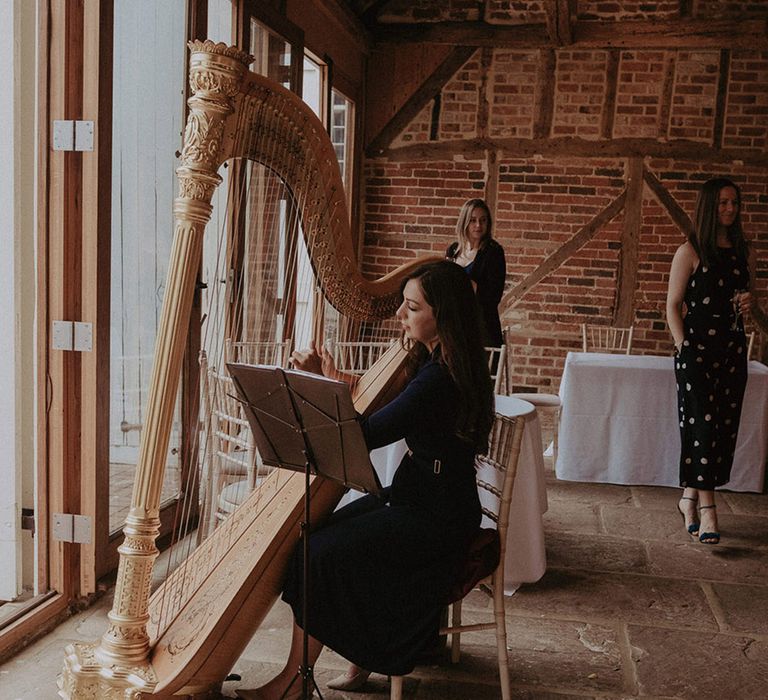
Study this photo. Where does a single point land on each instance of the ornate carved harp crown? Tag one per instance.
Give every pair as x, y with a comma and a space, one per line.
186, 637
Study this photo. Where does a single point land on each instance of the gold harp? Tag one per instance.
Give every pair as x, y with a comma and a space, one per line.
187, 636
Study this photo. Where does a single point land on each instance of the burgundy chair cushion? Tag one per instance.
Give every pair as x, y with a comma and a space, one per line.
482, 558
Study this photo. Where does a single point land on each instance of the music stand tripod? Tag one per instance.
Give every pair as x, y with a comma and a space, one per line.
307, 423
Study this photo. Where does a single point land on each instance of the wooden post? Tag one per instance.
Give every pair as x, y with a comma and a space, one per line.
624, 310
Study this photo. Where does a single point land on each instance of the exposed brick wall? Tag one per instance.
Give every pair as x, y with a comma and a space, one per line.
617, 10
514, 11
459, 109
411, 209
639, 93
695, 96
747, 114
541, 205
512, 93
426, 11
419, 130
579, 93
541, 202
731, 8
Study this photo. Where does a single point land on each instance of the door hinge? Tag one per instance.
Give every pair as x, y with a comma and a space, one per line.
71, 135
68, 527
72, 335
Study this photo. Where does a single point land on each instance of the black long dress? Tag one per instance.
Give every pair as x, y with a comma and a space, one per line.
711, 372
379, 572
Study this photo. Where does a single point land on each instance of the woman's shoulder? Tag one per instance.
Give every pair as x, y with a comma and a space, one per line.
685, 259
433, 372
432, 367
686, 252
490, 250
493, 245
452, 250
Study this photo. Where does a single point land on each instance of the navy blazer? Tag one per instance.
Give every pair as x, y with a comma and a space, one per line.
488, 271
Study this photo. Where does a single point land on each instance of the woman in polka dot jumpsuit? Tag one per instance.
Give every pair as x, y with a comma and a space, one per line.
708, 294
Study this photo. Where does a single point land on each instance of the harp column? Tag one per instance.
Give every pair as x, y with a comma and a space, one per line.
119, 666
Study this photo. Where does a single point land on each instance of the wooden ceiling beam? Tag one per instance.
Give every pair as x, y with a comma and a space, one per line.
464, 33
368, 10
558, 147
630, 34
341, 15
678, 33
419, 99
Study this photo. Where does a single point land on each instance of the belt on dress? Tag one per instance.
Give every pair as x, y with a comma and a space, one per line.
437, 464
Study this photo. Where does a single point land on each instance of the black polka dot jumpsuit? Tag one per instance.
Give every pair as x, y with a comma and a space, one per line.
711, 371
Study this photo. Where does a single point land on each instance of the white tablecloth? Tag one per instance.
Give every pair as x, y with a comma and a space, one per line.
526, 558
619, 425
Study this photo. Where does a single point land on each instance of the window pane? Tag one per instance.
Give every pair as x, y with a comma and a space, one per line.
149, 54
342, 120
272, 54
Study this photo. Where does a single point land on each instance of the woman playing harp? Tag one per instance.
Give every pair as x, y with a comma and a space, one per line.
381, 569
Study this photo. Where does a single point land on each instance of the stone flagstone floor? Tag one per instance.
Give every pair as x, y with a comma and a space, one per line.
630, 607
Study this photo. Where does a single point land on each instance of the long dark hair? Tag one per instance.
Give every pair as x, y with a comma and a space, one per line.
448, 291
463, 222
703, 237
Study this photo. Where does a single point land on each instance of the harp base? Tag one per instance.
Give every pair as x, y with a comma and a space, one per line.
84, 678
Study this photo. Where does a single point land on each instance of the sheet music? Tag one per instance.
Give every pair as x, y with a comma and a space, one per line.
298, 417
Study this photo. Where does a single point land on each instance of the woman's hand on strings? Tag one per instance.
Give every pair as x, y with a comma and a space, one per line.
315, 361
309, 360
328, 364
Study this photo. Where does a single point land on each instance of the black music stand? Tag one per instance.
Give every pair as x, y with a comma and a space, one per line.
305, 422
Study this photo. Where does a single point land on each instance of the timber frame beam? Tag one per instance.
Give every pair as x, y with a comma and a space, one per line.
583, 34
558, 15
565, 251
559, 147
419, 99
630, 202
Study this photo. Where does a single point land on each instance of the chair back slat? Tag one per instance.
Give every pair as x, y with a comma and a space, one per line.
606, 338
502, 456
249, 352
497, 366
229, 454
358, 357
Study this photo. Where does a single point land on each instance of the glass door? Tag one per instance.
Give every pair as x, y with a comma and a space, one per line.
148, 108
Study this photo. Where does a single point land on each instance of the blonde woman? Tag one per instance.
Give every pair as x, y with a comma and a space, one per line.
482, 258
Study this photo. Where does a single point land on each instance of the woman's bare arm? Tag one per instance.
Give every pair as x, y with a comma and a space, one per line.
683, 265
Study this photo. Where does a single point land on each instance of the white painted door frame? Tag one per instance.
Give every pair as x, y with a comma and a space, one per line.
10, 476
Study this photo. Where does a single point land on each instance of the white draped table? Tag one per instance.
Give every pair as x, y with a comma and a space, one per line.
526, 557
619, 424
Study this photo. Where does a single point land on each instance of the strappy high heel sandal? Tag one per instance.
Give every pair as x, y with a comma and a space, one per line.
693, 528
708, 537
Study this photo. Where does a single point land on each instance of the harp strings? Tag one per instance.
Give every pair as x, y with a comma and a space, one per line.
259, 288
